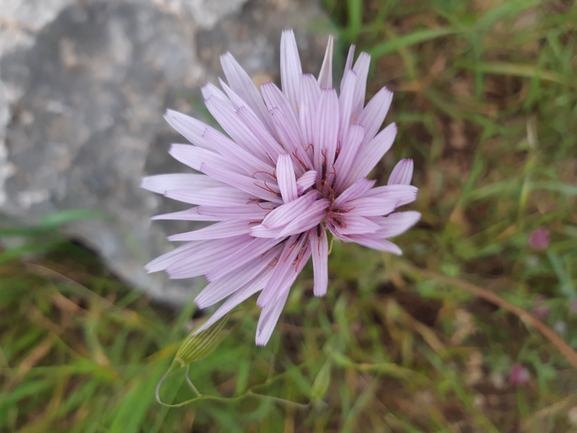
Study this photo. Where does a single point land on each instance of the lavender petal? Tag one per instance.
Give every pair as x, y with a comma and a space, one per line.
397, 223
290, 67
325, 131
320, 253
222, 196
370, 154
161, 183
402, 173
219, 230
374, 113
376, 244
326, 73
241, 83
286, 178
231, 282
344, 165
362, 69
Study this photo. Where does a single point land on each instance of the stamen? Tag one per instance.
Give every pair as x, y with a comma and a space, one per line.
340, 223
324, 165
273, 175
258, 202
302, 252
267, 188
319, 235
299, 160
291, 247
333, 173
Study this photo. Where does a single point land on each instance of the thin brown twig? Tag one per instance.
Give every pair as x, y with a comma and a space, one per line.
491, 297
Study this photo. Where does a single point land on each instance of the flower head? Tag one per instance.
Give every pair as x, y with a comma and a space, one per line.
540, 310
295, 166
519, 375
539, 238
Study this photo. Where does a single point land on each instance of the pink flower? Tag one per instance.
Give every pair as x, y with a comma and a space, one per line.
519, 375
295, 166
539, 239
539, 310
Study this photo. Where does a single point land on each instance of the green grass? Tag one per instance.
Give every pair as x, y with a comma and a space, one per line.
486, 104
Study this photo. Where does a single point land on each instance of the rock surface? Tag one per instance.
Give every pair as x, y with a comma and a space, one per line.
83, 86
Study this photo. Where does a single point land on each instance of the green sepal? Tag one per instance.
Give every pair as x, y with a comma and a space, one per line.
198, 345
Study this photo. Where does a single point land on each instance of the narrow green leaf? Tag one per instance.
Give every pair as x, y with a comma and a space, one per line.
23, 391
55, 219
562, 188
408, 40
132, 408
530, 71
506, 9
355, 9
566, 282
321, 382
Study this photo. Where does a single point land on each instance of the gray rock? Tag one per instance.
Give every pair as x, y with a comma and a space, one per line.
83, 86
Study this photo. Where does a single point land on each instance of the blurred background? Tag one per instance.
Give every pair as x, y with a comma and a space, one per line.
474, 329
